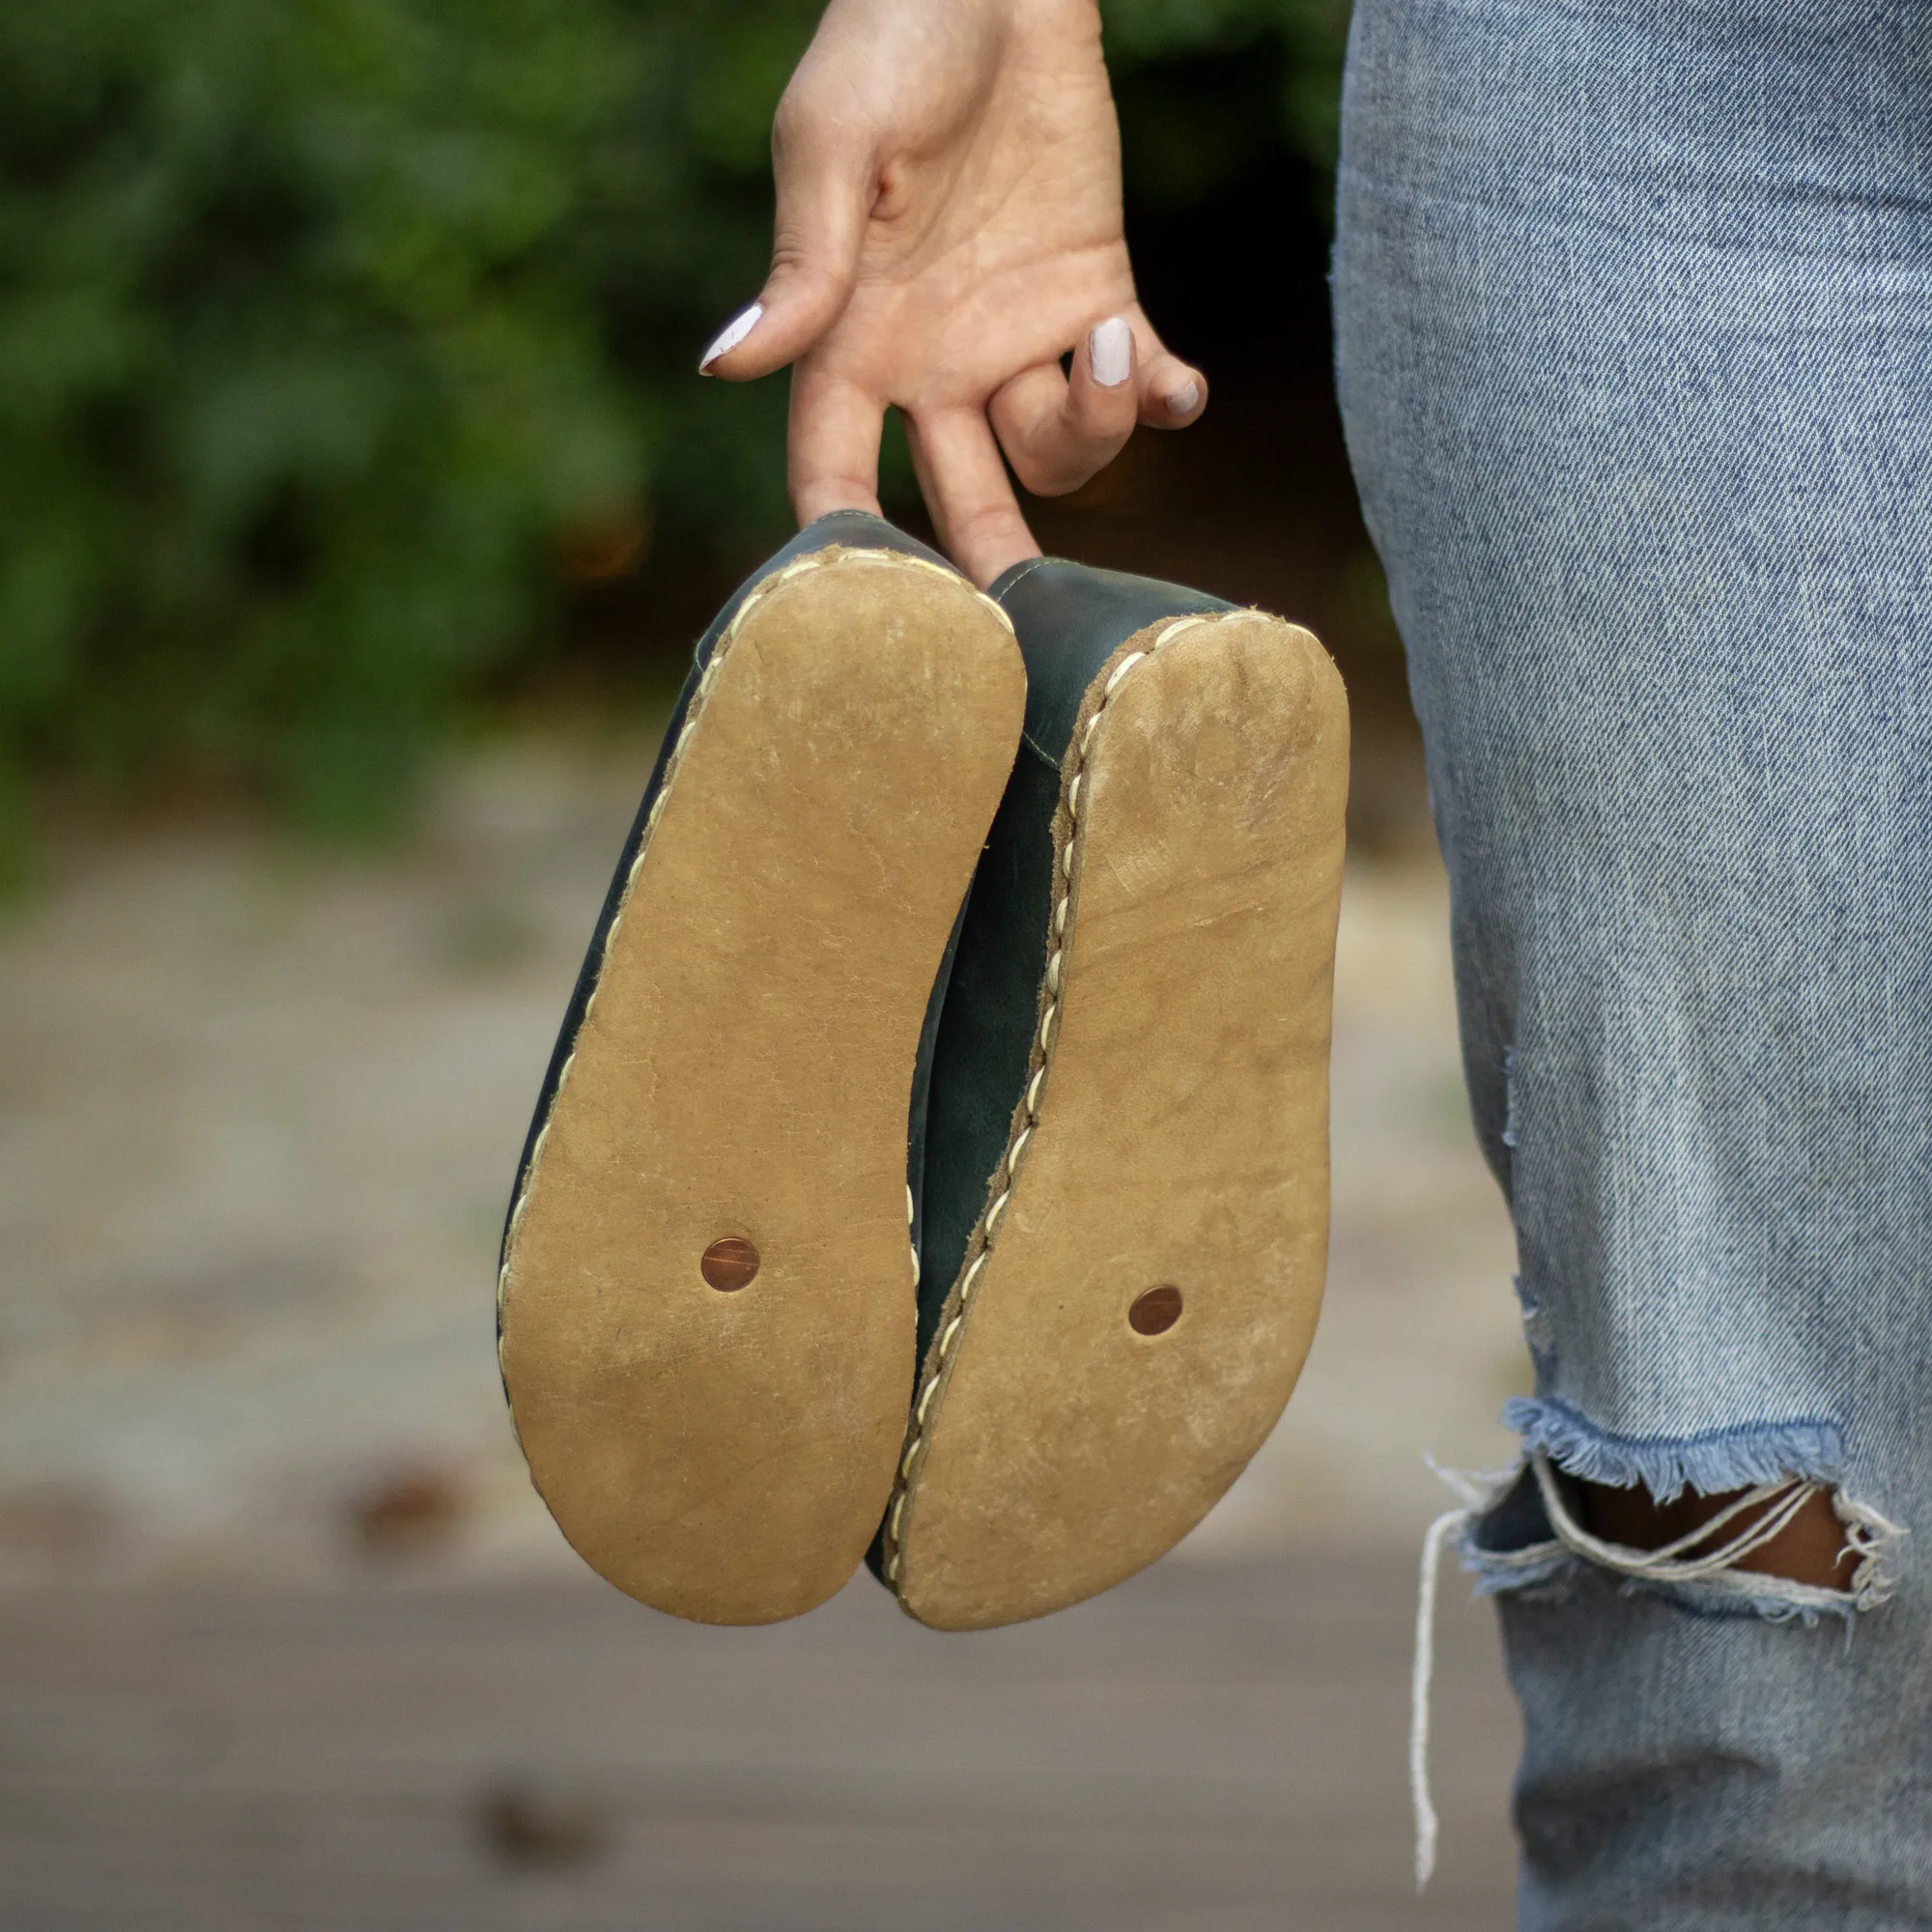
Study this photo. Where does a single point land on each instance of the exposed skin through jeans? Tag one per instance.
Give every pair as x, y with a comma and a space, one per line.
1634, 341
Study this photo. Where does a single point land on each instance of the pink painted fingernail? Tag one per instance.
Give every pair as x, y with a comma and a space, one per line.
1184, 399
730, 335
1110, 352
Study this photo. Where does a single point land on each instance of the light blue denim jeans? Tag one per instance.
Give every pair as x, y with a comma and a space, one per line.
1634, 303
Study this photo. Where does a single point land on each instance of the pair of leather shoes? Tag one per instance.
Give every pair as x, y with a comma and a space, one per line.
933, 1162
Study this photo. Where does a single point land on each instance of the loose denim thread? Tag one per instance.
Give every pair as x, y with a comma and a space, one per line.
1673, 1562
1476, 1497
1870, 1536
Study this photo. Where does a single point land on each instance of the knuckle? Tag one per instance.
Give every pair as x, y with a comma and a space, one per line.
1077, 461
804, 277
791, 256
1063, 479
794, 124
813, 468
1106, 418
1054, 456
1054, 464
991, 526
811, 132
1020, 438
1037, 473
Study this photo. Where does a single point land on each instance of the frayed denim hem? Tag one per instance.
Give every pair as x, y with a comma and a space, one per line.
1711, 1463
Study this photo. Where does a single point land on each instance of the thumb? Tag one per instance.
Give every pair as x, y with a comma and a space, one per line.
823, 203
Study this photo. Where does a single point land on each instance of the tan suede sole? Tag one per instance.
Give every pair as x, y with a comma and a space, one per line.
1136, 1305
743, 1076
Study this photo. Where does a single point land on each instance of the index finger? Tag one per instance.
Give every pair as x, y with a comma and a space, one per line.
832, 444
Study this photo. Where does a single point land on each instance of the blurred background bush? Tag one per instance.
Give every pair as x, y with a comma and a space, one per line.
348, 355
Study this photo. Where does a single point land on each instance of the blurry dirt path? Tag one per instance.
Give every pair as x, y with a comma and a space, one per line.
258, 1114
1211, 1748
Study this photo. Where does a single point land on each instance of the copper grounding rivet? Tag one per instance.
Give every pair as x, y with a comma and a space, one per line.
1155, 1312
730, 1264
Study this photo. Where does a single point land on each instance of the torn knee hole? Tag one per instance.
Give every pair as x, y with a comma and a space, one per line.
1812, 1546
1791, 1529
1810, 1549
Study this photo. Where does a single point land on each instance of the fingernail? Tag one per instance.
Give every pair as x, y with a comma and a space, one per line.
1110, 352
730, 335
1184, 399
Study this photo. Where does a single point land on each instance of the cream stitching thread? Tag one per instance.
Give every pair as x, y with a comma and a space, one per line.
707, 678
935, 1369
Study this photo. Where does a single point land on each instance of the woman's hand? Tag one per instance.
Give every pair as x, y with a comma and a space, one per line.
949, 226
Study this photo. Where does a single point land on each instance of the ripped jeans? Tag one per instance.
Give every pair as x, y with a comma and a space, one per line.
1633, 305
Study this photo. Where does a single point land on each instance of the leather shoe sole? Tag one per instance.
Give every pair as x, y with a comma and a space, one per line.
706, 1302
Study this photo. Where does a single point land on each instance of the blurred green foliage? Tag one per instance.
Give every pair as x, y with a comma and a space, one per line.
334, 334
